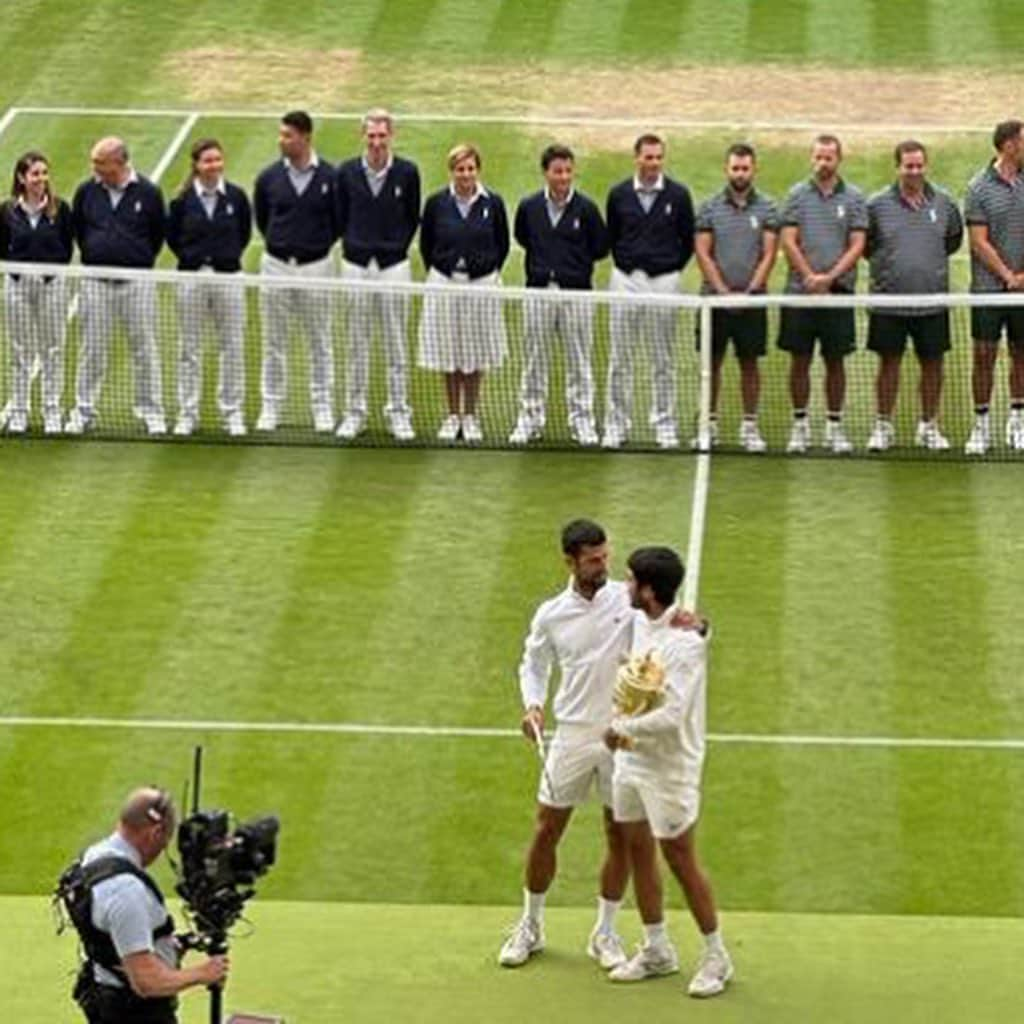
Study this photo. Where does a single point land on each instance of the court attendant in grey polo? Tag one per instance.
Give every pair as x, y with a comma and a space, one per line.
994, 211
736, 246
913, 229
124, 908
824, 222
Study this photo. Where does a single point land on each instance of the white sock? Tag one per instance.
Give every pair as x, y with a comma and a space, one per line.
713, 941
655, 934
533, 905
606, 911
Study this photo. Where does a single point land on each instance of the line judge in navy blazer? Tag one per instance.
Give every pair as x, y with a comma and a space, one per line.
209, 226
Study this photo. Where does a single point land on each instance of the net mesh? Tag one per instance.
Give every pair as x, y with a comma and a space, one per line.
125, 354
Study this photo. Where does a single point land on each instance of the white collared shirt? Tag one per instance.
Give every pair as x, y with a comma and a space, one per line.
116, 192
465, 205
375, 179
648, 194
207, 198
586, 639
670, 740
554, 207
300, 179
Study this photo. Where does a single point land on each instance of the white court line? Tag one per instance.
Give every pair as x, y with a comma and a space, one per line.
471, 732
9, 115
538, 120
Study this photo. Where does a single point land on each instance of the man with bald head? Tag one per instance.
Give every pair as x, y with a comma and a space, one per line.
131, 973
119, 222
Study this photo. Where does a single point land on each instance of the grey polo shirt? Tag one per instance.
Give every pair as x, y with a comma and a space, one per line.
825, 223
999, 205
126, 910
738, 232
909, 247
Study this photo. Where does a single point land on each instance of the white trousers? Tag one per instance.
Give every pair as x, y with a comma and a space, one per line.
312, 308
103, 305
364, 312
219, 299
573, 323
36, 313
630, 325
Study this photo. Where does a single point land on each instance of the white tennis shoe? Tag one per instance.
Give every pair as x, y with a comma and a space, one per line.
525, 939
881, 437
648, 962
606, 948
980, 439
713, 974
799, 437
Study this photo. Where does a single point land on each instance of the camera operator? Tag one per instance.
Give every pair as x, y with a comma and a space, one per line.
131, 975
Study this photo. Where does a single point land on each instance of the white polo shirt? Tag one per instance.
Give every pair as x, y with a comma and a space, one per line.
670, 740
587, 640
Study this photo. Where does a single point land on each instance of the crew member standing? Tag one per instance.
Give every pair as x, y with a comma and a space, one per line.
295, 209
208, 228
378, 213
119, 219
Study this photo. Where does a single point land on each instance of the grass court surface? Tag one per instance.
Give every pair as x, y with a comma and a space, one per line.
857, 606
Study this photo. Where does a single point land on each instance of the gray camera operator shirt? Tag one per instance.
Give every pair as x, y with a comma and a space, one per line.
127, 911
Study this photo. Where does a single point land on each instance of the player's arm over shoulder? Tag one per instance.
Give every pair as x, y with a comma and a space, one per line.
694, 622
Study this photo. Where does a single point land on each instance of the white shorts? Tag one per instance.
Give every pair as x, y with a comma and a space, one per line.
576, 763
669, 810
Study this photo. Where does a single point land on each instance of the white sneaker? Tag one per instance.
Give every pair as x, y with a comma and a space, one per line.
267, 421
156, 425
614, 437
351, 426
836, 439
51, 421
980, 440
526, 938
1015, 432
525, 431
78, 423
713, 974
666, 437
799, 437
882, 436
472, 433
750, 437
400, 427
929, 436
712, 431
235, 425
185, 426
323, 420
647, 962
450, 428
606, 948
18, 423
584, 433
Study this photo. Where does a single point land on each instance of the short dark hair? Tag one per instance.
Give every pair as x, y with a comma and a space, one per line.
556, 151
741, 149
908, 146
581, 533
1005, 131
825, 139
299, 120
647, 139
659, 568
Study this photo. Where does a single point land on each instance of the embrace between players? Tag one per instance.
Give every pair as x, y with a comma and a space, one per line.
608, 637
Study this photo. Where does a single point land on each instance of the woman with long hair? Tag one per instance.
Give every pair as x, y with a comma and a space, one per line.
464, 240
208, 227
35, 227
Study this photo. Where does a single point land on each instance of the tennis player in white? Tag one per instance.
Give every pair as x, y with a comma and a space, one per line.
659, 756
584, 630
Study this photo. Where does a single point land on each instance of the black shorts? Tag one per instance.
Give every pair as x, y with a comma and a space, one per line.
888, 334
835, 329
747, 329
989, 322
